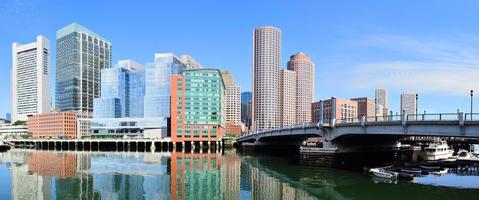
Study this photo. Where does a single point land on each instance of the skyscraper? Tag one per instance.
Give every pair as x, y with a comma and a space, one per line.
81, 55
304, 68
122, 91
266, 77
408, 104
288, 98
30, 78
157, 84
246, 98
381, 102
233, 98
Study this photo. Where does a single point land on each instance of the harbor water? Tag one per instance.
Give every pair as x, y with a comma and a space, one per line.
44, 174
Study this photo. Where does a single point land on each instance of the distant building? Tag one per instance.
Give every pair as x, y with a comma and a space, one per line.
408, 104
53, 125
197, 106
315, 111
190, 62
233, 98
303, 66
122, 91
366, 107
157, 84
81, 55
8, 116
288, 97
30, 78
8, 131
233, 129
381, 102
246, 113
144, 127
341, 109
266, 76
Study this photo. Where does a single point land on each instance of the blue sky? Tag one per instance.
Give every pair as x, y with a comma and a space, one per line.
428, 46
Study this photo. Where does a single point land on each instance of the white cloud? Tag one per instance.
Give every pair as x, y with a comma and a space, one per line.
420, 64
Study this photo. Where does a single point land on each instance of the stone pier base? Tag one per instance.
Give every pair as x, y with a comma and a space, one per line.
317, 156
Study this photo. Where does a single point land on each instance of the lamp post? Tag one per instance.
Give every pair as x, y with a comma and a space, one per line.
472, 94
417, 102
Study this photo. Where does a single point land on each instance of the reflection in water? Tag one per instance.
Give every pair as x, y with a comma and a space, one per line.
178, 175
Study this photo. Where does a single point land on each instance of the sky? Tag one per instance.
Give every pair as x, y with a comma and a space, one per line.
430, 46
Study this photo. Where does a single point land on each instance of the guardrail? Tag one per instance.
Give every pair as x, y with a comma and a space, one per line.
391, 118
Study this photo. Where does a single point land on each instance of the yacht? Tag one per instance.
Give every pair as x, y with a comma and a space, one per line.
437, 150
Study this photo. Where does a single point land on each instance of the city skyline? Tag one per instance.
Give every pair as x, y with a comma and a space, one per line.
416, 50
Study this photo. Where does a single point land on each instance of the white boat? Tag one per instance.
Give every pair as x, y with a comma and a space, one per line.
439, 173
437, 150
381, 173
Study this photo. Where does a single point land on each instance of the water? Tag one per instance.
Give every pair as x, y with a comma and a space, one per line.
33, 174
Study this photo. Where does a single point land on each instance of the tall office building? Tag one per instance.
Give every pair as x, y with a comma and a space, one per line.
190, 62
288, 98
157, 84
233, 98
81, 55
266, 77
381, 102
30, 78
246, 113
122, 91
304, 68
197, 106
408, 103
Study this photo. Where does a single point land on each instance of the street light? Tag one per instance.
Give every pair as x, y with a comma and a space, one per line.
472, 94
417, 102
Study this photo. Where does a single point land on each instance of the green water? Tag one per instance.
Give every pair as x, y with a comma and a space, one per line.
33, 174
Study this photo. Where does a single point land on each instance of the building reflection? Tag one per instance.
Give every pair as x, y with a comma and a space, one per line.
140, 175
61, 165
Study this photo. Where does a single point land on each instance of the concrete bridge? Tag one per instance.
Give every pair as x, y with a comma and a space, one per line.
376, 132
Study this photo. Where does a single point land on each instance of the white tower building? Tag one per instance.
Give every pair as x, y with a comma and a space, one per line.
30, 78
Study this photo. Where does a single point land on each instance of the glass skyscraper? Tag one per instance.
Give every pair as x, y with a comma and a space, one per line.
81, 54
157, 84
122, 91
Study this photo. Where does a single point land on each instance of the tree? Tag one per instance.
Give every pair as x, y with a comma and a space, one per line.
20, 122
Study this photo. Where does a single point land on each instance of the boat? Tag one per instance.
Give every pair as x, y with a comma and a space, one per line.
439, 173
411, 170
382, 173
430, 167
437, 150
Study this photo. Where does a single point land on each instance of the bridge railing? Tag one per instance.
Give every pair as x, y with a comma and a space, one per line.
471, 116
433, 117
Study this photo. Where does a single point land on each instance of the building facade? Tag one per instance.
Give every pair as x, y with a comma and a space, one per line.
30, 92
366, 107
381, 102
408, 104
246, 112
288, 97
233, 98
304, 68
157, 84
81, 55
266, 76
53, 125
122, 91
340, 109
197, 106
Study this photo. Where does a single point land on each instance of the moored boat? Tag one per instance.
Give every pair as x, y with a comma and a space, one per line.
381, 173
437, 150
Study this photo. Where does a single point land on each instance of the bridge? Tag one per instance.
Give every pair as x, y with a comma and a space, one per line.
346, 135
